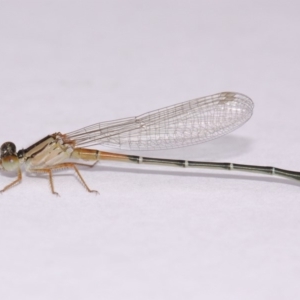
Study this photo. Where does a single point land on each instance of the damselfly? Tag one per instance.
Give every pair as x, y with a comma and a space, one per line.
179, 125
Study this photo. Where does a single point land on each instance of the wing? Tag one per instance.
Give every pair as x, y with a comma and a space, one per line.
179, 125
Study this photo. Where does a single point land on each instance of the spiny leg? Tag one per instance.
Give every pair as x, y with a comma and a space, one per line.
18, 180
73, 166
63, 166
87, 165
49, 172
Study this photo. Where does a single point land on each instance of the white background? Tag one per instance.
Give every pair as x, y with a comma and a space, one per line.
153, 232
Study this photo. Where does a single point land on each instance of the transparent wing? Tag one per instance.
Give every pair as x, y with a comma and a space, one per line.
179, 125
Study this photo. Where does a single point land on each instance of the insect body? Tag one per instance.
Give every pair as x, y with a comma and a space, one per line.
191, 122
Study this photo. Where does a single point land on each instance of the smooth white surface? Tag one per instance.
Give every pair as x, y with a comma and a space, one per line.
153, 232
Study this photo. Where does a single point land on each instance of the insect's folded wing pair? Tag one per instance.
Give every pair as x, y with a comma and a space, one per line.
191, 122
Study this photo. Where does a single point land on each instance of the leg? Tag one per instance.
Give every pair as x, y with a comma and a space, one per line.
62, 166
18, 180
49, 172
86, 165
73, 166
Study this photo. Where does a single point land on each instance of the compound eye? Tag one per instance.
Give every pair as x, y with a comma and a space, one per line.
7, 149
10, 163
